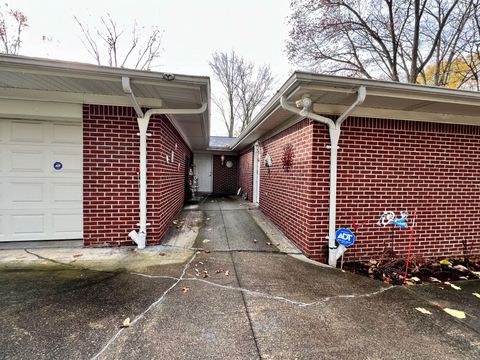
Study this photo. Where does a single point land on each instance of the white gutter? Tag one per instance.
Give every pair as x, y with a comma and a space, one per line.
334, 132
143, 120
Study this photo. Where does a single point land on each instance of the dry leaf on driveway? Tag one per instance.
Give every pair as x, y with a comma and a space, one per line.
185, 289
455, 313
423, 310
126, 323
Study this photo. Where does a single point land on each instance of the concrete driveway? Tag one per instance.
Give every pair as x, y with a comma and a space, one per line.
235, 299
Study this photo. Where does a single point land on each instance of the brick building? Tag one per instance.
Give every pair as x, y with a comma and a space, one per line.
103, 156
401, 147
82, 160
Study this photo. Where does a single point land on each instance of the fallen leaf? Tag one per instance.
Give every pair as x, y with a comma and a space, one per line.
460, 268
409, 283
453, 286
227, 273
423, 310
206, 241
416, 279
445, 262
455, 313
207, 251
77, 255
476, 273
433, 279
255, 241
278, 244
126, 323
200, 263
476, 295
219, 270
162, 254
205, 274
185, 289
208, 219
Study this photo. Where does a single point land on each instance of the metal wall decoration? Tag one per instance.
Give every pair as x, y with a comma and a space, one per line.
388, 218
268, 160
287, 157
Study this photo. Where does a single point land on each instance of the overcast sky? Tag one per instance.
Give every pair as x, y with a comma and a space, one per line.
193, 30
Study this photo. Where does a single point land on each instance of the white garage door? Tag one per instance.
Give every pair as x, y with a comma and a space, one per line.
40, 180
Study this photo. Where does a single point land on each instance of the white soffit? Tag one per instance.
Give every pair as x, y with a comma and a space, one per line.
332, 95
24, 78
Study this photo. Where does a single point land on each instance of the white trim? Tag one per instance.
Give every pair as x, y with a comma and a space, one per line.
40, 110
256, 174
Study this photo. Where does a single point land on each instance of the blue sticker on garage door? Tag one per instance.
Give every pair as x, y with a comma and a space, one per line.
57, 165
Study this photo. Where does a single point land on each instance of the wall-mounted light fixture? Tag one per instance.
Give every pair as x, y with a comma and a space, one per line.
222, 160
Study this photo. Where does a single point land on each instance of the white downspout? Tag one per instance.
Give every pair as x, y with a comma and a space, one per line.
334, 132
140, 237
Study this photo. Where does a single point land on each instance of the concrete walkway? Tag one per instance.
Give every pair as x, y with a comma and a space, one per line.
235, 299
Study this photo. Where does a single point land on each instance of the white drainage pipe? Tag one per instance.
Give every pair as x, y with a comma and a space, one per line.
140, 237
334, 131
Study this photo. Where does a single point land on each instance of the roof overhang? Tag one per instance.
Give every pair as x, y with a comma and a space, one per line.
26, 78
332, 95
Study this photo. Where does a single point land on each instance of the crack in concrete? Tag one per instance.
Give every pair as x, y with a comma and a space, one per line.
156, 302
274, 297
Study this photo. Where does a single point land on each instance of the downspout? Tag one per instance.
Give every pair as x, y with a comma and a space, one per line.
143, 120
334, 252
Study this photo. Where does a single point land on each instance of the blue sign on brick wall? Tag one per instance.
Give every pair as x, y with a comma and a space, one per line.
345, 237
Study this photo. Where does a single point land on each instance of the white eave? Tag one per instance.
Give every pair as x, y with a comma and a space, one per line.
331, 95
26, 78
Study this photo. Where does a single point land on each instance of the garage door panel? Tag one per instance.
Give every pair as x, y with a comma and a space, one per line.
37, 201
67, 134
72, 163
69, 223
28, 224
27, 132
27, 161
3, 227
27, 192
67, 192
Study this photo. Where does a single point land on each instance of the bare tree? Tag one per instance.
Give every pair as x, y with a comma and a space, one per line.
253, 87
109, 45
245, 88
12, 25
392, 39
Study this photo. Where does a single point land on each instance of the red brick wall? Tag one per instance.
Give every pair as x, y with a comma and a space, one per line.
382, 164
286, 194
403, 165
245, 172
225, 180
110, 192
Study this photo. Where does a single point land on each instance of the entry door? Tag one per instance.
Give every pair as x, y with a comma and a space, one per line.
256, 174
203, 169
40, 180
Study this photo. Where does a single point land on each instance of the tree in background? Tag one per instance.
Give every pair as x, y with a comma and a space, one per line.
12, 25
109, 45
385, 39
245, 87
